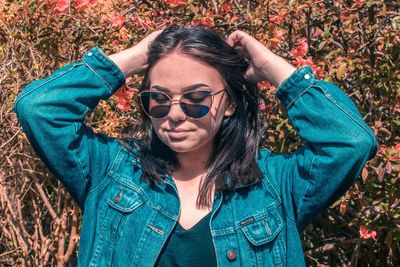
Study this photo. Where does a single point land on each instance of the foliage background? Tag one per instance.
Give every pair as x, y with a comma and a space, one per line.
355, 44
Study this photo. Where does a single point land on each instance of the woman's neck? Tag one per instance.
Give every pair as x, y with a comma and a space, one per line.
193, 164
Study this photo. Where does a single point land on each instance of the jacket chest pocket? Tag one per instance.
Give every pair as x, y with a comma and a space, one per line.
122, 202
264, 239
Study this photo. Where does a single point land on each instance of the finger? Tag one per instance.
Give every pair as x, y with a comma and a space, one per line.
235, 38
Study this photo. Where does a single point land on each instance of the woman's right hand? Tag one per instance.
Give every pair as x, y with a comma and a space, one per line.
134, 60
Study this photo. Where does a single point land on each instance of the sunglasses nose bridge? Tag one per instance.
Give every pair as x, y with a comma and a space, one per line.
175, 101
176, 113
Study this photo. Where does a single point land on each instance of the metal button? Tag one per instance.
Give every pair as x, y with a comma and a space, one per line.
90, 54
231, 255
307, 76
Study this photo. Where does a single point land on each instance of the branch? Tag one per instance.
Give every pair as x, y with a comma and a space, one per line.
72, 235
44, 198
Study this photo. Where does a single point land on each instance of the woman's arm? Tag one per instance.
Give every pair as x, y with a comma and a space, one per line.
52, 112
338, 141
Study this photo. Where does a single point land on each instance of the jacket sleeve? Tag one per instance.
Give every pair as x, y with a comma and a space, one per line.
338, 143
52, 110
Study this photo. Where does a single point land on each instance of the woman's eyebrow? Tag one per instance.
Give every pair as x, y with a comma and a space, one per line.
184, 89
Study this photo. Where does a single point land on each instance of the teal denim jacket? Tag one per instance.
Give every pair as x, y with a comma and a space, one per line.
126, 221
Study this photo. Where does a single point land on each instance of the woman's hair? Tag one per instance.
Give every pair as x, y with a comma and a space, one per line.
234, 160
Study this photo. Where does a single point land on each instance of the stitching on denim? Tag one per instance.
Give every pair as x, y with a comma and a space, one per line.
348, 112
308, 183
288, 81
98, 49
263, 219
222, 232
293, 79
76, 155
263, 214
103, 179
142, 194
302, 93
267, 178
23, 94
108, 85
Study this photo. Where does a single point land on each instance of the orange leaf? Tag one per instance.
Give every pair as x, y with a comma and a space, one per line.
341, 71
364, 173
342, 208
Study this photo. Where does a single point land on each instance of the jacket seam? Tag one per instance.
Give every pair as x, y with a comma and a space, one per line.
311, 177
110, 61
299, 95
44, 83
76, 155
267, 180
99, 185
142, 194
106, 83
347, 112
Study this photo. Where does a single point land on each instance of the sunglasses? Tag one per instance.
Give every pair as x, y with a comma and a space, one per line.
195, 104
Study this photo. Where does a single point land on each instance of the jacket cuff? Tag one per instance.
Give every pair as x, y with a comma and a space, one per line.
104, 67
294, 86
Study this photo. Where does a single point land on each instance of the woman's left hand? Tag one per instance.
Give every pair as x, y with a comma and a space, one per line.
264, 65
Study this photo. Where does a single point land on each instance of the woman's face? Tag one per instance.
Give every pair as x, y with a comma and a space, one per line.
174, 74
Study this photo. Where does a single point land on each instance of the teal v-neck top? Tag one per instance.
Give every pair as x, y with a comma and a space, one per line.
192, 247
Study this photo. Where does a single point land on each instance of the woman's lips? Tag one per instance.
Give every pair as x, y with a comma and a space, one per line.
177, 133
177, 130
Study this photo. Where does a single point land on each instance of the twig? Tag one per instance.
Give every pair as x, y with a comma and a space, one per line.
215, 4
44, 198
9, 140
72, 235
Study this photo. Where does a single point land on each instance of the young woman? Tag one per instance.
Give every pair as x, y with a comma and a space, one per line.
196, 190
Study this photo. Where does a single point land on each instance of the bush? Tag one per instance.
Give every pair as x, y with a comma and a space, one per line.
355, 44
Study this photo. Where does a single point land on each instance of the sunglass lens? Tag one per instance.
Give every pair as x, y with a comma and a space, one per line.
155, 104
195, 111
196, 104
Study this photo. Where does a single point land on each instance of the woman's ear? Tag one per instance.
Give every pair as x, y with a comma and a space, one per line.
230, 110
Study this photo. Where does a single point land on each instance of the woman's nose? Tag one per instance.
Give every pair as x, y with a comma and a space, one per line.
176, 113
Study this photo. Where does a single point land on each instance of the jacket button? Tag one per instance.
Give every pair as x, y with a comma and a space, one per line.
231, 255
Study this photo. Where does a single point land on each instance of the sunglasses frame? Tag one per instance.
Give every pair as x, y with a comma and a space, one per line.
178, 101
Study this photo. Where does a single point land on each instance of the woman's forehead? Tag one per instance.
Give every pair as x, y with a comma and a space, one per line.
178, 72
184, 89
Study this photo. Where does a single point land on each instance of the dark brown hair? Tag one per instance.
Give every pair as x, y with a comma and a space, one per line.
234, 160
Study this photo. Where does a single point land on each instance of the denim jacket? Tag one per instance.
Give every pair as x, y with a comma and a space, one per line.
127, 221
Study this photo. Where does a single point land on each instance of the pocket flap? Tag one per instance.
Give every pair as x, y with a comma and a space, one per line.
124, 199
262, 228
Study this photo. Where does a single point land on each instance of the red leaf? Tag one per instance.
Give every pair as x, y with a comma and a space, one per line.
397, 147
226, 7
81, 5
366, 234
342, 208
396, 39
364, 174
278, 19
301, 50
389, 167
118, 20
62, 5
176, 3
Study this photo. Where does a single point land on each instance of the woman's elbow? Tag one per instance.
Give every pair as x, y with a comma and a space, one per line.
365, 146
